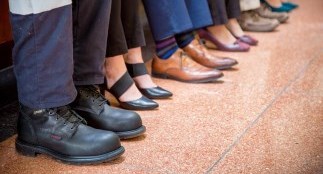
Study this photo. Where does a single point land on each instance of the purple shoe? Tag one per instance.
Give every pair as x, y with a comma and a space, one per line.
247, 39
212, 42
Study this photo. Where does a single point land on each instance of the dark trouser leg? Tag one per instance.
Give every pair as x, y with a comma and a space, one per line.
184, 39
91, 21
199, 12
125, 30
132, 26
167, 18
116, 42
222, 10
218, 11
233, 8
42, 53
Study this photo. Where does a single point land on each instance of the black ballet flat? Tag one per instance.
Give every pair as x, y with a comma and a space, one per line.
120, 87
139, 69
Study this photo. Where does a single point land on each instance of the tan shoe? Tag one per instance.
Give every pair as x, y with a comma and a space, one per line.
251, 21
265, 12
182, 68
201, 55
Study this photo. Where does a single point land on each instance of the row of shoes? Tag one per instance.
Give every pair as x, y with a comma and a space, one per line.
266, 18
89, 130
195, 63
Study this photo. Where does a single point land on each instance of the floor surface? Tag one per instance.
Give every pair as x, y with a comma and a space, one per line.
266, 116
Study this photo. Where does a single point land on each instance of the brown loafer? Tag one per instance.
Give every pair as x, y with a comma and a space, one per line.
182, 68
201, 55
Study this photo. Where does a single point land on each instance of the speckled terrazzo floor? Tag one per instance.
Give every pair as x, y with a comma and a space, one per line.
264, 117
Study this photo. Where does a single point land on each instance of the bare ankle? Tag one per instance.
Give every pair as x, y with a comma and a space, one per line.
133, 56
144, 81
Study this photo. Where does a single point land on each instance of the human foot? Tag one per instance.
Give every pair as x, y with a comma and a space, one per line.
137, 69
114, 69
121, 85
222, 34
134, 56
234, 27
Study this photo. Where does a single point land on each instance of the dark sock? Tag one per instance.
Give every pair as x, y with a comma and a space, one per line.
184, 39
166, 48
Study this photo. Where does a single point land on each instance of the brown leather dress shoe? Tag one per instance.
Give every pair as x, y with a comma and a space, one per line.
201, 55
182, 68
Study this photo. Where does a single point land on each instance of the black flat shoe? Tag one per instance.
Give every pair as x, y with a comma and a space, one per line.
120, 87
152, 93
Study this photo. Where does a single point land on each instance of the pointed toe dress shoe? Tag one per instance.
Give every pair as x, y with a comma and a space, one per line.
157, 92
120, 87
201, 55
182, 68
283, 8
247, 39
290, 5
213, 43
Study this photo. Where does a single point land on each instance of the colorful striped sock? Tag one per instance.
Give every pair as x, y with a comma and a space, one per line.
184, 39
166, 48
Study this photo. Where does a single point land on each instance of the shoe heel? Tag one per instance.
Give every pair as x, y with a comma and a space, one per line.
25, 149
162, 76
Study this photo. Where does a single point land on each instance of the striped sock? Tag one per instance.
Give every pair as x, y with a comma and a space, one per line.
166, 48
184, 39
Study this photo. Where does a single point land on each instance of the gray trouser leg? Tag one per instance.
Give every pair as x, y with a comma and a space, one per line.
43, 52
47, 37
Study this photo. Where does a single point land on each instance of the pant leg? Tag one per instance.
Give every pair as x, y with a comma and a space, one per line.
218, 11
131, 23
233, 8
90, 30
167, 18
199, 13
43, 52
246, 5
116, 41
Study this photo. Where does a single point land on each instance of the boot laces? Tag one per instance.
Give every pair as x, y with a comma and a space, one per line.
69, 116
97, 96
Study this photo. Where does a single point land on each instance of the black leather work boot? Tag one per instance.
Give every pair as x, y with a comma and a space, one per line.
95, 109
62, 134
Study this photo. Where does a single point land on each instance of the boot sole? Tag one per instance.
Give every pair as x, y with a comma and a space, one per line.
131, 134
206, 80
32, 150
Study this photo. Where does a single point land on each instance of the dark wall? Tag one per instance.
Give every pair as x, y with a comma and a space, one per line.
5, 35
8, 91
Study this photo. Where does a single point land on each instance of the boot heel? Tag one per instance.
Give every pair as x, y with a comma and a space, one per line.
25, 149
